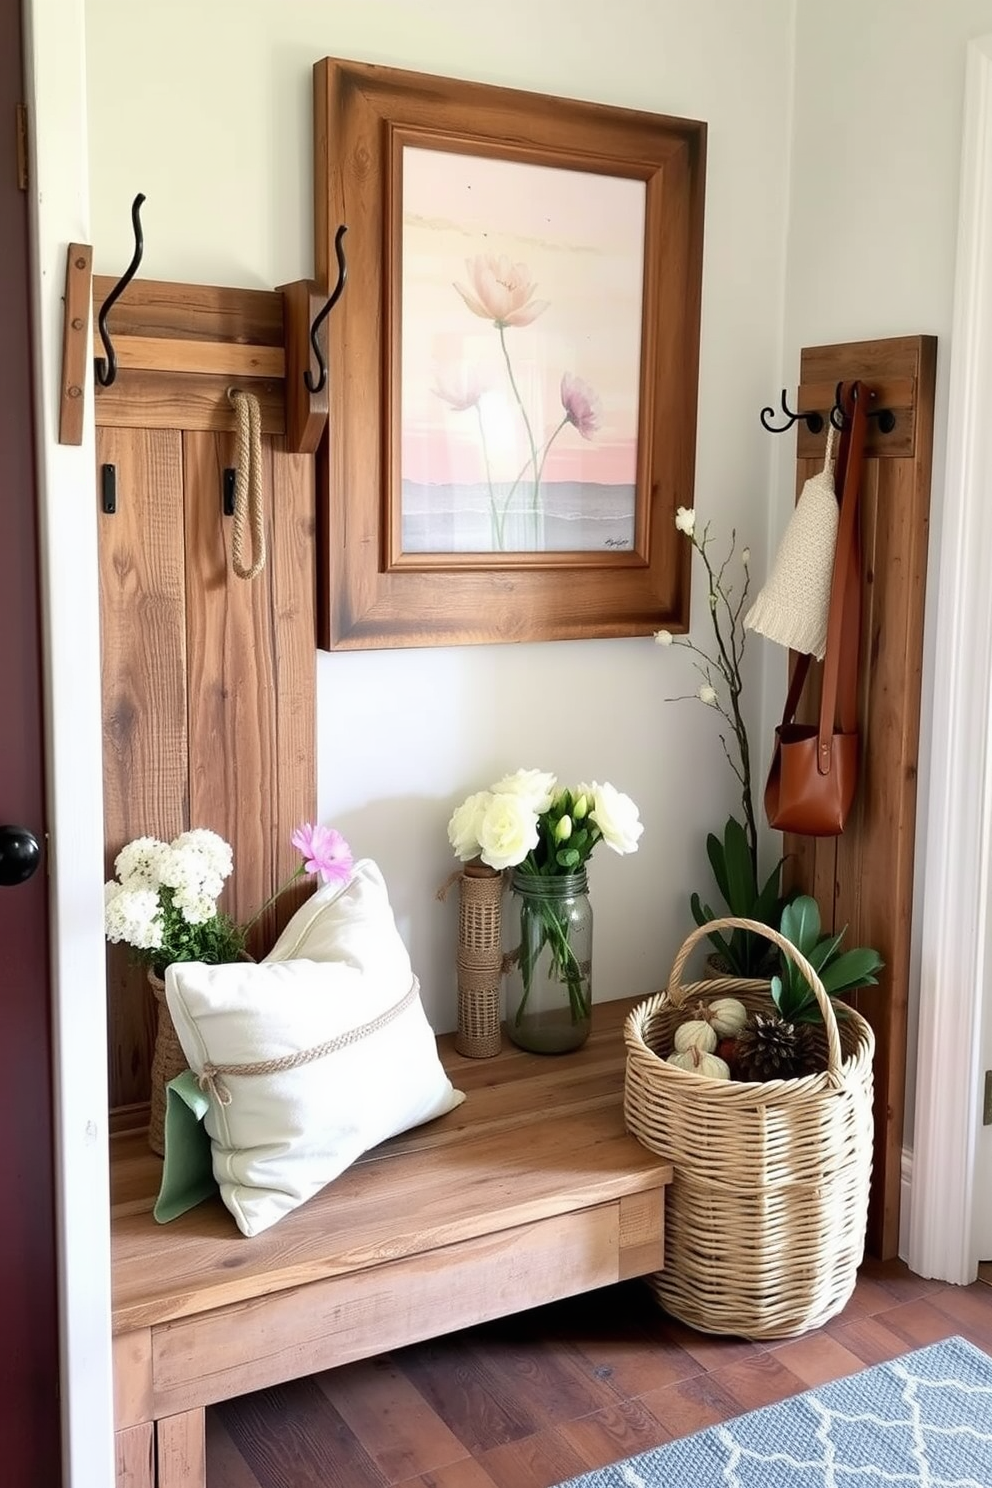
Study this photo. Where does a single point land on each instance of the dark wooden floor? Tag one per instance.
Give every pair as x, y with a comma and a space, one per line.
528, 1401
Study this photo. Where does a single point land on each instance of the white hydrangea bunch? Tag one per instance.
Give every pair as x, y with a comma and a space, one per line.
163, 901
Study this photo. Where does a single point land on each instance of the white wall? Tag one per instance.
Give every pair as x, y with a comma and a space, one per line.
879, 93
206, 108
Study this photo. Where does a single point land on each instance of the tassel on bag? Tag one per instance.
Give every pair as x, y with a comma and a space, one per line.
793, 604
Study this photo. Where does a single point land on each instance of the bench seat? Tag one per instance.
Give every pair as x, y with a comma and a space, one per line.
528, 1192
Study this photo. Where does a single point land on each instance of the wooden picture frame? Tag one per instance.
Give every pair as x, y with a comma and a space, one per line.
418, 544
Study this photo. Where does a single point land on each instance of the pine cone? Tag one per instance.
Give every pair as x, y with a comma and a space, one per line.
768, 1048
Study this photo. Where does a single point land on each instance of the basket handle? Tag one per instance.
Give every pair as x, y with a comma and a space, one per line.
676, 994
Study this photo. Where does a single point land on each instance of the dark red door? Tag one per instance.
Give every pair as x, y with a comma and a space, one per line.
29, 1404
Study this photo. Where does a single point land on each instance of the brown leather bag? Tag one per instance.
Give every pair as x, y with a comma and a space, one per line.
814, 769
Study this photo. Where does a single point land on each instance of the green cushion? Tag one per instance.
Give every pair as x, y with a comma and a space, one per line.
187, 1173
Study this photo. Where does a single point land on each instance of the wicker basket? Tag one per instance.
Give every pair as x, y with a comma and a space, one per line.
765, 1217
480, 961
168, 1061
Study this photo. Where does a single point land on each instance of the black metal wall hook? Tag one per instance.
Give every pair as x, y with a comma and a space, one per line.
105, 368
813, 421
886, 418
316, 384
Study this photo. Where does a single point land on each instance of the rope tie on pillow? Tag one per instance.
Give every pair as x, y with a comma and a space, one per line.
248, 485
212, 1085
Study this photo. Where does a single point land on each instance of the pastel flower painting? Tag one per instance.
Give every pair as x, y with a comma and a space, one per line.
520, 352
500, 291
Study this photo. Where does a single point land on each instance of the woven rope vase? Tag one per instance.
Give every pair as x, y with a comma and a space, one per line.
480, 961
168, 1061
765, 1217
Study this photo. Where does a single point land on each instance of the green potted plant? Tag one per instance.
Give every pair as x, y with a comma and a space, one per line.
733, 856
783, 1044
839, 971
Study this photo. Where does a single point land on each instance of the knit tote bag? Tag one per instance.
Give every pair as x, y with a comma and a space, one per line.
794, 602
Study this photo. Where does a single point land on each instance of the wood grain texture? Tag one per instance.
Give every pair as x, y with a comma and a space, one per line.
374, 594
181, 1451
306, 412
252, 674
143, 662
429, 1187
134, 1457
162, 354
197, 312
208, 684
864, 878
563, 1389
185, 400
75, 337
281, 1336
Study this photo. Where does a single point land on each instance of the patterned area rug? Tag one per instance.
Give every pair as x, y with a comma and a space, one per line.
922, 1421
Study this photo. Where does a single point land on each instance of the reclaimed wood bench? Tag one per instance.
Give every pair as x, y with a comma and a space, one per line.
530, 1191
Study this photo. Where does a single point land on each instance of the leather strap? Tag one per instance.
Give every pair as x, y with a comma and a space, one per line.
839, 692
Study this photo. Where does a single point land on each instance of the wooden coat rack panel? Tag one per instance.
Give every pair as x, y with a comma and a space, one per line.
864, 878
208, 680
183, 346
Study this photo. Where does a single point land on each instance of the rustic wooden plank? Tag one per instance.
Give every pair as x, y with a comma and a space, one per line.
78, 273
181, 1450
408, 1205
306, 412
231, 680
642, 1233
887, 363
209, 1358
185, 400
134, 1457
252, 675
168, 354
292, 636
895, 393
864, 878
143, 639
132, 1362
200, 312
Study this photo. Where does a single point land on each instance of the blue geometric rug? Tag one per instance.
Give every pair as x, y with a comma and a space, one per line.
922, 1421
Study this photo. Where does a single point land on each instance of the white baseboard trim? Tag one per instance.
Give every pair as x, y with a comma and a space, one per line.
905, 1200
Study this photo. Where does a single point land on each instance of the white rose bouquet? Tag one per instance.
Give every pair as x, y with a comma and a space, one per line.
543, 830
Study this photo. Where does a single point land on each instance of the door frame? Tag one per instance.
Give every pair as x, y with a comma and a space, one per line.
950, 1209
55, 72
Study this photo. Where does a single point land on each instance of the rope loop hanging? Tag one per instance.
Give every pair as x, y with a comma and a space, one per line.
248, 486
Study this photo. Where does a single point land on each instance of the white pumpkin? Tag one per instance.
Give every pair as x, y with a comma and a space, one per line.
696, 1034
725, 1015
698, 1062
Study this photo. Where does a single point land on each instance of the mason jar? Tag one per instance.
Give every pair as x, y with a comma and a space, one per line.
549, 963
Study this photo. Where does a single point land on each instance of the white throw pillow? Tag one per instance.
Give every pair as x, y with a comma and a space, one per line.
313, 1055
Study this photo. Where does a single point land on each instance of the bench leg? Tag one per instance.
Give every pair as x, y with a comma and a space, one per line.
134, 1450
182, 1450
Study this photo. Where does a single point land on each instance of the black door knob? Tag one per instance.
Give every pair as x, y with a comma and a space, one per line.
19, 855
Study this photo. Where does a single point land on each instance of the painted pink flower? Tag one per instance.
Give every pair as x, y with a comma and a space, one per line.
461, 387
500, 291
324, 851
581, 404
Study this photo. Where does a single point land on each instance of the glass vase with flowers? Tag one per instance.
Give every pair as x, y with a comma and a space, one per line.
542, 835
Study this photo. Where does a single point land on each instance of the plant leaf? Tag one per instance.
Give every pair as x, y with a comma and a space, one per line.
824, 950
801, 923
718, 862
740, 870
855, 968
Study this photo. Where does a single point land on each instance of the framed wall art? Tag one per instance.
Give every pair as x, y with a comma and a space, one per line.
513, 363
